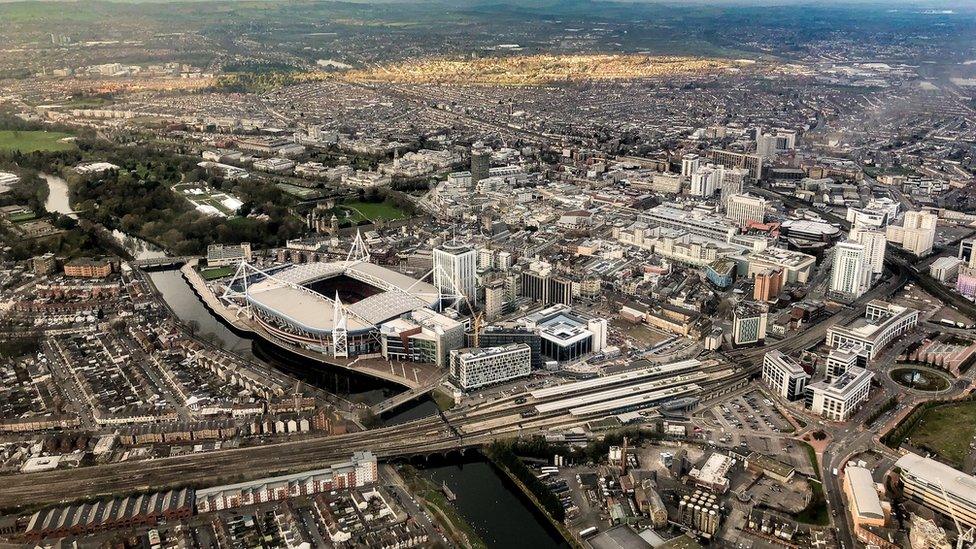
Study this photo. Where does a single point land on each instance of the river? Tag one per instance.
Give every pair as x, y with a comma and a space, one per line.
486, 498
58, 200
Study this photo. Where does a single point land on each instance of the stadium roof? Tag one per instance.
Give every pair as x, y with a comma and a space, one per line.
284, 295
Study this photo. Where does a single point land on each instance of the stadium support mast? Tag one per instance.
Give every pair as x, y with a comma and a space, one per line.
358, 251
340, 321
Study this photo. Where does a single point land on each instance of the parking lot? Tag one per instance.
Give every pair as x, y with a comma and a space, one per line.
752, 411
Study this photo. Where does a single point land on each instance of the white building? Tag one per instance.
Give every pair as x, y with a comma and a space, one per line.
840, 398
929, 482
874, 242
706, 180
851, 271
840, 361
473, 368
748, 324
917, 232
455, 270
881, 324
743, 208
945, 268
689, 164
783, 375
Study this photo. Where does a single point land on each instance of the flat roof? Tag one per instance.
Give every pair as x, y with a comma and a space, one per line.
866, 501
637, 400
622, 377
938, 476
620, 392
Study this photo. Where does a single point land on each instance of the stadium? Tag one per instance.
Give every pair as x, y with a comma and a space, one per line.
335, 308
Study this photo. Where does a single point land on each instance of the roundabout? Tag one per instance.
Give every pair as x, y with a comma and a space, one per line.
920, 378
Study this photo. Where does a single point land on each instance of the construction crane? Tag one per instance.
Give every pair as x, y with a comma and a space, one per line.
966, 538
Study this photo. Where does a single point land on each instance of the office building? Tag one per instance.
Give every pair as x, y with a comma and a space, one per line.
565, 335
692, 221
480, 164
966, 281
748, 324
753, 163
840, 398
455, 270
539, 283
499, 336
422, 335
875, 242
768, 285
476, 367
228, 254
743, 208
939, 487
840, 361
851, 271
870, 334
945, 269
784, 376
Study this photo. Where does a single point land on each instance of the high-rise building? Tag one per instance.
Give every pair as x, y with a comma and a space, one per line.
748, 324
494, 299
733, 180
730, 159
768, 285
851, 271
917, 232
874, 242
480, 164
743, 208
766, 145
455, 268
689, 164
706, 180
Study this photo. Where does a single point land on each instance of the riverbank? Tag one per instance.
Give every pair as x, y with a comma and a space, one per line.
436, 502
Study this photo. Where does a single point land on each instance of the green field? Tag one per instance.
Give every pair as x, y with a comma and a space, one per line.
947, 431
216, 272
31, 141
24, 216
376, 211
302, 193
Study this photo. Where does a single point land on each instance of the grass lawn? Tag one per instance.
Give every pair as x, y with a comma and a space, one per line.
376, 211
25, 216
31, 141
947, 431
216, 272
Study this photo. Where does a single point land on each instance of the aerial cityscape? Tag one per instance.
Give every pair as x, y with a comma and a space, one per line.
588, 274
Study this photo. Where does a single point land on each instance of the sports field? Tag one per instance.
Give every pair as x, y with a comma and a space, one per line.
31, 141
947, 430
376, 211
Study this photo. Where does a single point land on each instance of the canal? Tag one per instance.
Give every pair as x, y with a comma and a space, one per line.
487, 499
